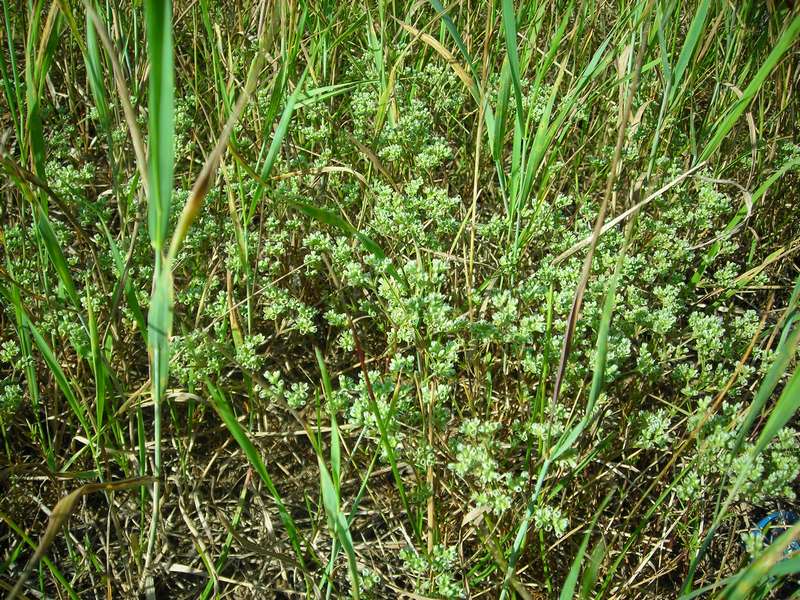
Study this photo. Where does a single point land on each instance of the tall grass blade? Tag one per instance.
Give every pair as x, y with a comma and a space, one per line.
783, 356
13, 297
336, 450
274, 147
161, 165
60, 377
331, 486
693, 36
477, 93
56, 256
510, 30
98, 366
11, 78
729, 119
123, 266
567, 440
570, 436
161, 117
568, 588
784, 410
337, 523
94, 71
225, 412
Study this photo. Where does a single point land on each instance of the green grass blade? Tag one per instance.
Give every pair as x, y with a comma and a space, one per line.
94, 71
336, 451
161, 117
601, 354
274, 148
323, 215
510, 30
693, 36
126, 283
570, 436
476, 91
462, 47
787, 566
503, 92
12, 100
742, 586
331, 486
793, 164
326, 92
36, 66
60, 377
726, 123
593, 569
159, 328
522, 531
786, 350
541, 142
31, 377
98, 366
785, 409
568, 588
56, 255
11, 81
225, 412
161, 149
338, 523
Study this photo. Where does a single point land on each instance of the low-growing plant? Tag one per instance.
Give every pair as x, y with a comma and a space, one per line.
480, 300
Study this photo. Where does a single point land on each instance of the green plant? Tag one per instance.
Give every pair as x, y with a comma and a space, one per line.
430, 297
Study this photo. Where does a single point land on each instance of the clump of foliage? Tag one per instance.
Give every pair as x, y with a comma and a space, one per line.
323, 290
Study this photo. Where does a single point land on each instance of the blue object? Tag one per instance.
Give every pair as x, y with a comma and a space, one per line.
773, 525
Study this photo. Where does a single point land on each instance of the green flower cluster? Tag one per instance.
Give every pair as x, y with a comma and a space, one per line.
434, 573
